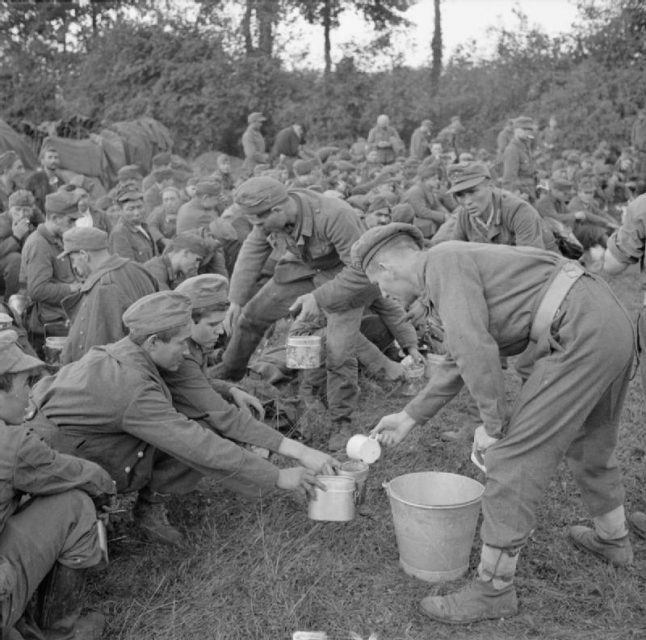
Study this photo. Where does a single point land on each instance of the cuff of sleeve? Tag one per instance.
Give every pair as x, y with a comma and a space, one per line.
415, 413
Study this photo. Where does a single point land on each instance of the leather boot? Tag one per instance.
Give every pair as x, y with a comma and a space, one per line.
58, 607
637, 522
489, 597
152, 518
618, 552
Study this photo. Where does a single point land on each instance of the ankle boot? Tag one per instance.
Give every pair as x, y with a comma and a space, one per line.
152, 518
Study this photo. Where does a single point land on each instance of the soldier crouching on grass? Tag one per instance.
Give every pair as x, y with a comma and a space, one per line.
113, 407
53, 532
577, 345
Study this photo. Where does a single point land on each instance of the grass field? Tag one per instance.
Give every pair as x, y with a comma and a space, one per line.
264, 570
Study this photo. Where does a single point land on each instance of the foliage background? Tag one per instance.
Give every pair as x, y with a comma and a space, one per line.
202, 72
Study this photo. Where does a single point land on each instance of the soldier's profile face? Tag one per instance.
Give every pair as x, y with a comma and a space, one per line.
207, 331
170, 355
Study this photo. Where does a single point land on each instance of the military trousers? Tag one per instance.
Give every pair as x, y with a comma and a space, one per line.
271, 303
47, 529
568, 407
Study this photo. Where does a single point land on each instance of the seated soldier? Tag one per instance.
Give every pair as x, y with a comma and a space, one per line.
131, 237
11, 175
47, 277
15, 225
162, 160
423, 196
113, 407
162, 222
53, 532
180, 260
110, 285
153, 195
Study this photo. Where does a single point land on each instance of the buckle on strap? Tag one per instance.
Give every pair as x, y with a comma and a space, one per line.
568, 274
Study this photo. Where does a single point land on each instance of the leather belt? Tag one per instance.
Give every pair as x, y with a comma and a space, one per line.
568, 274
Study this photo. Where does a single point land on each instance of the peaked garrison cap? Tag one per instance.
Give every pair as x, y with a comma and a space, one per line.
259, 194
158, 312
207, 290
365, 248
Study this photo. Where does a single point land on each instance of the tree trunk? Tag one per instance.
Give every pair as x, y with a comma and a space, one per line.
436, 48
246, 27
327, 27
267, 16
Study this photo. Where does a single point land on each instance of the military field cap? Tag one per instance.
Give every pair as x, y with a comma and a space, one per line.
256, 116
161, 159
210, 187
206, 291
158, 312
12, 358
189, 241
429, 170
129, 172
560, 181
63, 202
367, 246
7, 160
302, 167
128, 192
427, 123
165, 173
21, 198
103, 203
466, 175
84, 239
379, 204
523, 122
259, 194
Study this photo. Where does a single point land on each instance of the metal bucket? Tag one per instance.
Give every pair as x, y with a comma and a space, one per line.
358, 471
336, 504
435, 516
303, 352
53, 349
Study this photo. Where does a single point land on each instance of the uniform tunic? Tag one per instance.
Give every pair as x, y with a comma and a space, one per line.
253, 146
519, 172
47, 277
132, 241
570, 401
59, 486
113, 407
95, 311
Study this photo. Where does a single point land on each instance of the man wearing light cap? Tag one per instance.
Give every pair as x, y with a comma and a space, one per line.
420, 141
575, 343
310, 236
519, 171
110, 285
54, 530
48, 277
153, 195
385, 140
181, 259
131, 237
494, 216
113, 407
253, 143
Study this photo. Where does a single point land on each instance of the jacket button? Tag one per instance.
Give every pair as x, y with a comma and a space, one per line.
140, 454
127, 469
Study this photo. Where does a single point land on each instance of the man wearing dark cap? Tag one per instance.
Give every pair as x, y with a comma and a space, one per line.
203, 208
131, 237
113, 407
15, 225
48, 277
47, 179
379, 213
253, 143
161, 160
494, 216
110, 285
181, 259
310, 236
420, 141
519, 172
11, 175
430, 210
54, 530
576, 347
